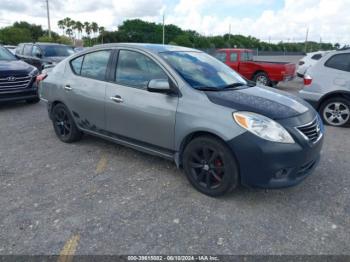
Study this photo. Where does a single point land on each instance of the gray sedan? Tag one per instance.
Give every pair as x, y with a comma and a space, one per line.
186, 106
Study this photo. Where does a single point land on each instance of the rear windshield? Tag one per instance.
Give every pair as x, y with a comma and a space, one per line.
57, 50
6, 55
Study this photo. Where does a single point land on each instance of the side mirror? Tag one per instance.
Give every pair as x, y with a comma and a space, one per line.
159, 86
38, 55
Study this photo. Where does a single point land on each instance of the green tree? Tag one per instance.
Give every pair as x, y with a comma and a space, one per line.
13, 35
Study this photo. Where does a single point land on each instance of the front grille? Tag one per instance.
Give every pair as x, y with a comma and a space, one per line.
14, 82
311, 131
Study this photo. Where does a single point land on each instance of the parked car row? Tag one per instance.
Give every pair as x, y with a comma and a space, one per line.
19, 67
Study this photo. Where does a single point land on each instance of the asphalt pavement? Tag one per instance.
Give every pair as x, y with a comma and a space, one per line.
100, 198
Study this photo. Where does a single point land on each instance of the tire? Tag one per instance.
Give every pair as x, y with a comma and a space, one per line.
33, 100
262, 78
336, 112
210, 166
63, 124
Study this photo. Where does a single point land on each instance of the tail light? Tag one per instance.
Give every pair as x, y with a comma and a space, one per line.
40, 77
307, 80
301, 62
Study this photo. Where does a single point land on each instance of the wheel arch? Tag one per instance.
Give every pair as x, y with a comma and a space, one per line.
52, 105
188, 138
344, 94
260, 70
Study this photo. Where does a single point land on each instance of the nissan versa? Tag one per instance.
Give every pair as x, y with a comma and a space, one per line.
187, 106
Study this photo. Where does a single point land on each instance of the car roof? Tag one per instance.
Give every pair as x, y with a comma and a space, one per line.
44, 44
154, 48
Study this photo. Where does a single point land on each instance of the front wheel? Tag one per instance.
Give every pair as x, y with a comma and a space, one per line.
64, 125
210, 166
336, 112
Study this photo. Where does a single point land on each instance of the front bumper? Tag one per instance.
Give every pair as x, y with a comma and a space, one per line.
20, 94
274, 165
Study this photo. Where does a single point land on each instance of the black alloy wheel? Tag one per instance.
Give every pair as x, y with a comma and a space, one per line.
63, 124
210, 166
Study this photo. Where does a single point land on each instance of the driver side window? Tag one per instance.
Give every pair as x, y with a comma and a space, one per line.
136, 70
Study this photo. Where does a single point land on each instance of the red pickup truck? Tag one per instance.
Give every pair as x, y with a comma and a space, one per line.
266, 73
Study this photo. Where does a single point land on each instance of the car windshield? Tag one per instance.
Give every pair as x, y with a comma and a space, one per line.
202, 71
6, 55
57, 50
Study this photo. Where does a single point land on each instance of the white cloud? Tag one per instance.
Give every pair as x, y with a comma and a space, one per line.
329, 20
326, 19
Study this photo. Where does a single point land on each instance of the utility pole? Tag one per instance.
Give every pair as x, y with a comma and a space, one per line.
307, 35
48, 17
229, 32
163, 29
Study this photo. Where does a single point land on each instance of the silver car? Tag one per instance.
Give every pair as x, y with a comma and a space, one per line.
186, 106
327, 87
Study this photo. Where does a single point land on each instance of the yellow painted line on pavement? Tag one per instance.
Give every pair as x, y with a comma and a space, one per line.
101, 165
68, 250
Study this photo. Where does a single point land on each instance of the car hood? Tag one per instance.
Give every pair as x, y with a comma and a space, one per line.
14, 68
262, 100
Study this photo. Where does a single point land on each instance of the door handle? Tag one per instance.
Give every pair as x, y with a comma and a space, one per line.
67, 87
117, 99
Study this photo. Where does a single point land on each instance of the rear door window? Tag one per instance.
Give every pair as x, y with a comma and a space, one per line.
76, 64
339, 62
95, 64
27, 51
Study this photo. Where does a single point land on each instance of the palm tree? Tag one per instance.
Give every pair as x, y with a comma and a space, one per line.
70, 26
87, 28
61, 25
102, 31
94, 28
79, 27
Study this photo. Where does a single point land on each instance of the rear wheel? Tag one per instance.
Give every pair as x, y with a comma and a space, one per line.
262, 78
210, 166
336, 111
64, 125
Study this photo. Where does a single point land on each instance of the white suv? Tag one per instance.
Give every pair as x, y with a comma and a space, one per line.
327, 87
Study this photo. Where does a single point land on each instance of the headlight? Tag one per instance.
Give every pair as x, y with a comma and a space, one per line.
34, 72
263, 127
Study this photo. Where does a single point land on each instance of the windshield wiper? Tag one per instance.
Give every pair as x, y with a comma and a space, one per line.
207, 88
234, 85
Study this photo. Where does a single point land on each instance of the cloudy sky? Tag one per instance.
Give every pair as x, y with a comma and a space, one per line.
285, 20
